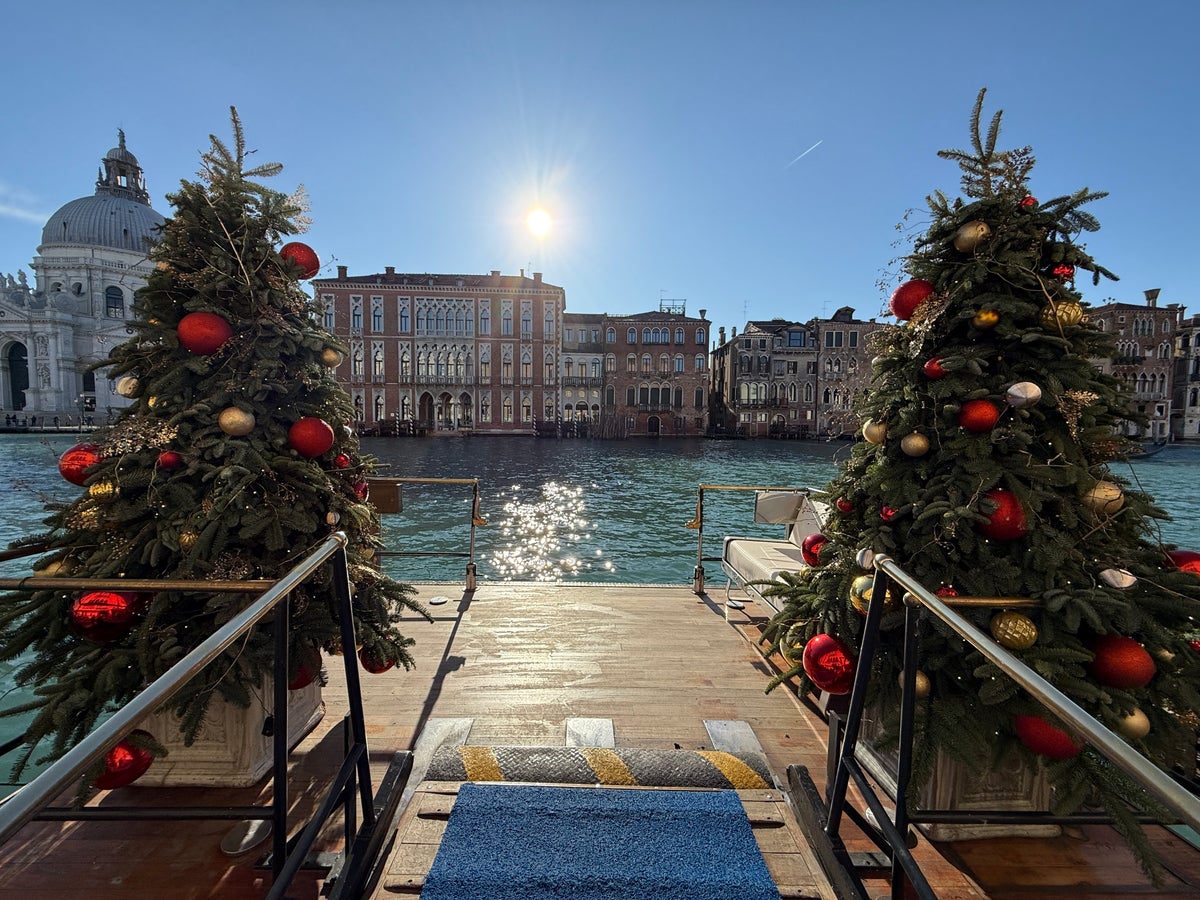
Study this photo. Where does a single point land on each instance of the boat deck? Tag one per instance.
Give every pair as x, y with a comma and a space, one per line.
519, 662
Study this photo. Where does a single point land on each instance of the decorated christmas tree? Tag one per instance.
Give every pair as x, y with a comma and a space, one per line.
990, 469
233, 462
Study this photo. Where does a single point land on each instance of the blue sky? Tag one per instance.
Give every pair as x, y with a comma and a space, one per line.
661, 135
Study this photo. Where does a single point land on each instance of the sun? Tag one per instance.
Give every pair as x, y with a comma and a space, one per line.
538, 222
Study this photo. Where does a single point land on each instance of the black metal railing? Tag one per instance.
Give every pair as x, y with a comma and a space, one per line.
393, 503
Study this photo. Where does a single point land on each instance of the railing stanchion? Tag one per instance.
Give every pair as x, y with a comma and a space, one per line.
279, 738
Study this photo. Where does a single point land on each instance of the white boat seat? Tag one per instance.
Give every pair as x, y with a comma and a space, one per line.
746, 561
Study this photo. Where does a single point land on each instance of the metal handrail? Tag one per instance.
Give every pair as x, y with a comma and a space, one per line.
475, 521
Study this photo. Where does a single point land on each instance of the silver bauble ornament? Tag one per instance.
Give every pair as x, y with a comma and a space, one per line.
1121, 579
127, 386
1023, 394
970, 235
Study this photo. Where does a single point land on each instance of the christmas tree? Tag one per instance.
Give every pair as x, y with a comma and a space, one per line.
234, 460
987, 471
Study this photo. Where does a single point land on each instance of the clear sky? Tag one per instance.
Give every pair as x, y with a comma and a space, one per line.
753, 158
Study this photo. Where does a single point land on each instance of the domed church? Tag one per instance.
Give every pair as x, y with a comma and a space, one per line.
92, 259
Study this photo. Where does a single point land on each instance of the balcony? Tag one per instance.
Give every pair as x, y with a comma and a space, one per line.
1128, 360
586, 381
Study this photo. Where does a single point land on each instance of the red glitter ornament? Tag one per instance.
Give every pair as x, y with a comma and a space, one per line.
829, 664
74, 463
311, 436
1028, 202
1041, 737
169, 460
979, 415
361, 489
1121, 662
843, 505
1063, 272
933, 369
125, 763
946, 590
203, 333
887, 513
1007, 522
1185, 560
304, 256
374, 663
106, 616
906, 298
341, 461
810, 548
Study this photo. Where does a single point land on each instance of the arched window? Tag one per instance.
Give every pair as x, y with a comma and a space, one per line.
826, 397
631, 363
379, 411
700, 362
701, 337
679, 335
376, 317
548, 409
329, 315
791, 392
548, 325
664, 363
1194, 397
647, 337
744, 363
357, 362
808, 392
485, 322
405, 408
405, 366
631, 336
377, 362
506, 330
568, 367
699, 399
526, 367
485, 409
610, 396
596, 367
610, 336
526, 410
646, 364
356, 315
420, 321
441, 322
405, 321
506, 410
526, 324
114, 303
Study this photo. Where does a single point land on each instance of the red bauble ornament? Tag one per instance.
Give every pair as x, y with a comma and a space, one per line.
311, 436
74, 463
203, 332
1121, 662
1041, 737
946, 590
341, 461
810, 548
1007, 523
125, 763
105, 616
979, 415
1185, 560
373, 663
303, 678
169, 460
303, 256
910, 295
844, 505
933, 369
1195, 645
361, 489
829, 664
1028, 202
887, 513
1063, 272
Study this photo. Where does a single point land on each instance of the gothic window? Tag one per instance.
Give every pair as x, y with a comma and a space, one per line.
679, 335
610, 336
376, 316
647, 337
646, 364
596, 367
526, 410
329, 314
485, 409
379, 408
700, 336
507, 410
506, 329
377, 363
526, 324
405, 366
357, 362
405, 323
631, 336
485, 322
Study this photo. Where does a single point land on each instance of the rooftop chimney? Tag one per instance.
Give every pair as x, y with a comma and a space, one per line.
342, 272
721, 333
537, 277
1152, 296
702, 312
495, 273
389, 270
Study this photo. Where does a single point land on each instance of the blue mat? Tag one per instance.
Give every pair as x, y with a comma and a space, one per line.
506, 842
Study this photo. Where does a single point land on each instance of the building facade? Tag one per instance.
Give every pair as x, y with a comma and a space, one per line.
1145, 357
467, 353
582, 373
765, 381
1185, 396
91, 261
843, 370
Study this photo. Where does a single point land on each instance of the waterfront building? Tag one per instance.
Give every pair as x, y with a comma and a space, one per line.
91, 261
1185, 395
765, 380
656, 377
1145, 357
582, 355
843, 370
466, 353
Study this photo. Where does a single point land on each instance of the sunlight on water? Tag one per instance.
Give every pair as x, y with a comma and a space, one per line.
536, 536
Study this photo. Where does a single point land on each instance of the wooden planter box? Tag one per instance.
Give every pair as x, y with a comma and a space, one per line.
230, 749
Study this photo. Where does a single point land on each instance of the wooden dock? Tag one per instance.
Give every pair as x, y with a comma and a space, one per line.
547, 665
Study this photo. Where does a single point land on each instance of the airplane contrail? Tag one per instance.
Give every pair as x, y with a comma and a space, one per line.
804, 154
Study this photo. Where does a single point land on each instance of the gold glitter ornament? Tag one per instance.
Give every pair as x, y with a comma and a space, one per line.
1062, 314
103, 490
874, 432
986, 318
921, 684
1072, 404
87, 518
187, 539
331, 358
1104, 499
914, 444
236, 422
1013, 630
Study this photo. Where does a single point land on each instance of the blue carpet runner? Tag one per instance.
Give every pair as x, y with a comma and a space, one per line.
510, 842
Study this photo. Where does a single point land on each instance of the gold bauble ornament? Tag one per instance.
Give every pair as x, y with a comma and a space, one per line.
1104, 499
970, 235
1064, 313
53, 569
920, 684
874, 432
236, 422
187, 539
103, 490
914, 444
331, 358
89, 518
152, 402
1135, 725
860, 592
127, 386
986, 318
1013, 630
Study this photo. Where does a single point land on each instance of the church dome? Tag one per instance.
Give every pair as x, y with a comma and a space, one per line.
118, 215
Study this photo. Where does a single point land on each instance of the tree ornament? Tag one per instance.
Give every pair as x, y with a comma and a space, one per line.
1185, 560
906, 298
169, 460
104, 617
311, 436
1062, 314
361, 489
303, 256
1022, 395
985, 319
810, 548
1121, 579
374, 663
1041, 737
1134, 726
73, 465
236, 422
829, 664
970, 235
126, 762
933, 369
843, 505
332, 518
921, 685
1013, 630
1028, 202
979, 416
1007, 521
1063, 272
127, 386
915, 444
103, 490
874, 432
1104, 498
303, 678
341, 461
1121, 662
865, 559
946, 590
860, 592
887, 513
187, 539
203, 333
331, 358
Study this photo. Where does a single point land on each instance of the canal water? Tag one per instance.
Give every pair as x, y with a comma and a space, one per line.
571, 510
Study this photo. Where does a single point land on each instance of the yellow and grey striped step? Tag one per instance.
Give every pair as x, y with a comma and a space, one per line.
601, 765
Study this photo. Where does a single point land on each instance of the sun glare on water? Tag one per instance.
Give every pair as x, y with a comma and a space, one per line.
538, 221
